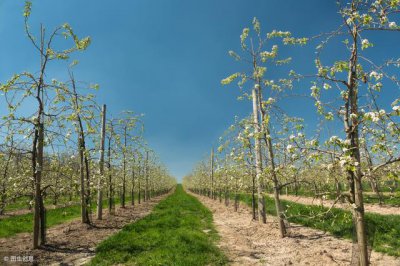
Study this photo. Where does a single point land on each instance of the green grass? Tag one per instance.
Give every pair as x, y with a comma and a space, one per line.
383, 230
18, 204
173, 234
392, 200
388, 199
24, 223
22, 202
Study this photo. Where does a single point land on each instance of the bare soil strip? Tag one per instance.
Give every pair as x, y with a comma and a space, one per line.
373, 208
246, 242
73, 243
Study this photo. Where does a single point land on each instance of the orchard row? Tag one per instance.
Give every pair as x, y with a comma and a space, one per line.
57, 144
356, 142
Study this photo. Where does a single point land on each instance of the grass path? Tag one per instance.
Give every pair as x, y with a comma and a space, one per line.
179, 231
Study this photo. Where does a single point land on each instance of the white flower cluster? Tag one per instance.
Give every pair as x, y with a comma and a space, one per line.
270, 100
290, 148
377, 76
314, 91
313, 142
327, 86
391, 126
335, 139
365, 44
374, 116
347, 162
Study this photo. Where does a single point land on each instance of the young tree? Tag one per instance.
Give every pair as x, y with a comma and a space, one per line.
258, 58
349, 76
35, 86
126, 126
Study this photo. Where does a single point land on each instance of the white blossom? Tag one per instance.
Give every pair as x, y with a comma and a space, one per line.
371, 116
377, 76
290, 148
270, 100
365, 42
327, 86
392, 25
333, 139
391, 126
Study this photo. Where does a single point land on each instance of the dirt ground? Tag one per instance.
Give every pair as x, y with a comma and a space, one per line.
73, 243
248, 243
374, 208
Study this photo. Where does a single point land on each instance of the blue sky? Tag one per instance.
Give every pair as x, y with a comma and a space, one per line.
165, 58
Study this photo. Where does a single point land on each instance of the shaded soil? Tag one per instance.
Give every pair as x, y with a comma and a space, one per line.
73, 243
247, 242
374, 208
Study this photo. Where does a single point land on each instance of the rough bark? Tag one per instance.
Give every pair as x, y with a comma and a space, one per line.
133, 182
146, 192
110, 184
278, 206
257, 150
352, 134
101, 165
124, 171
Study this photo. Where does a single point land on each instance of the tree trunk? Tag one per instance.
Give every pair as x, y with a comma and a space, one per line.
38, 226
83, 159
146, 192
278, 207
139, 190
110, 186
226, 197
257, 150
352, 134
133, 182
82, 179
124, 171
101, 165
236, 201
253, 197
